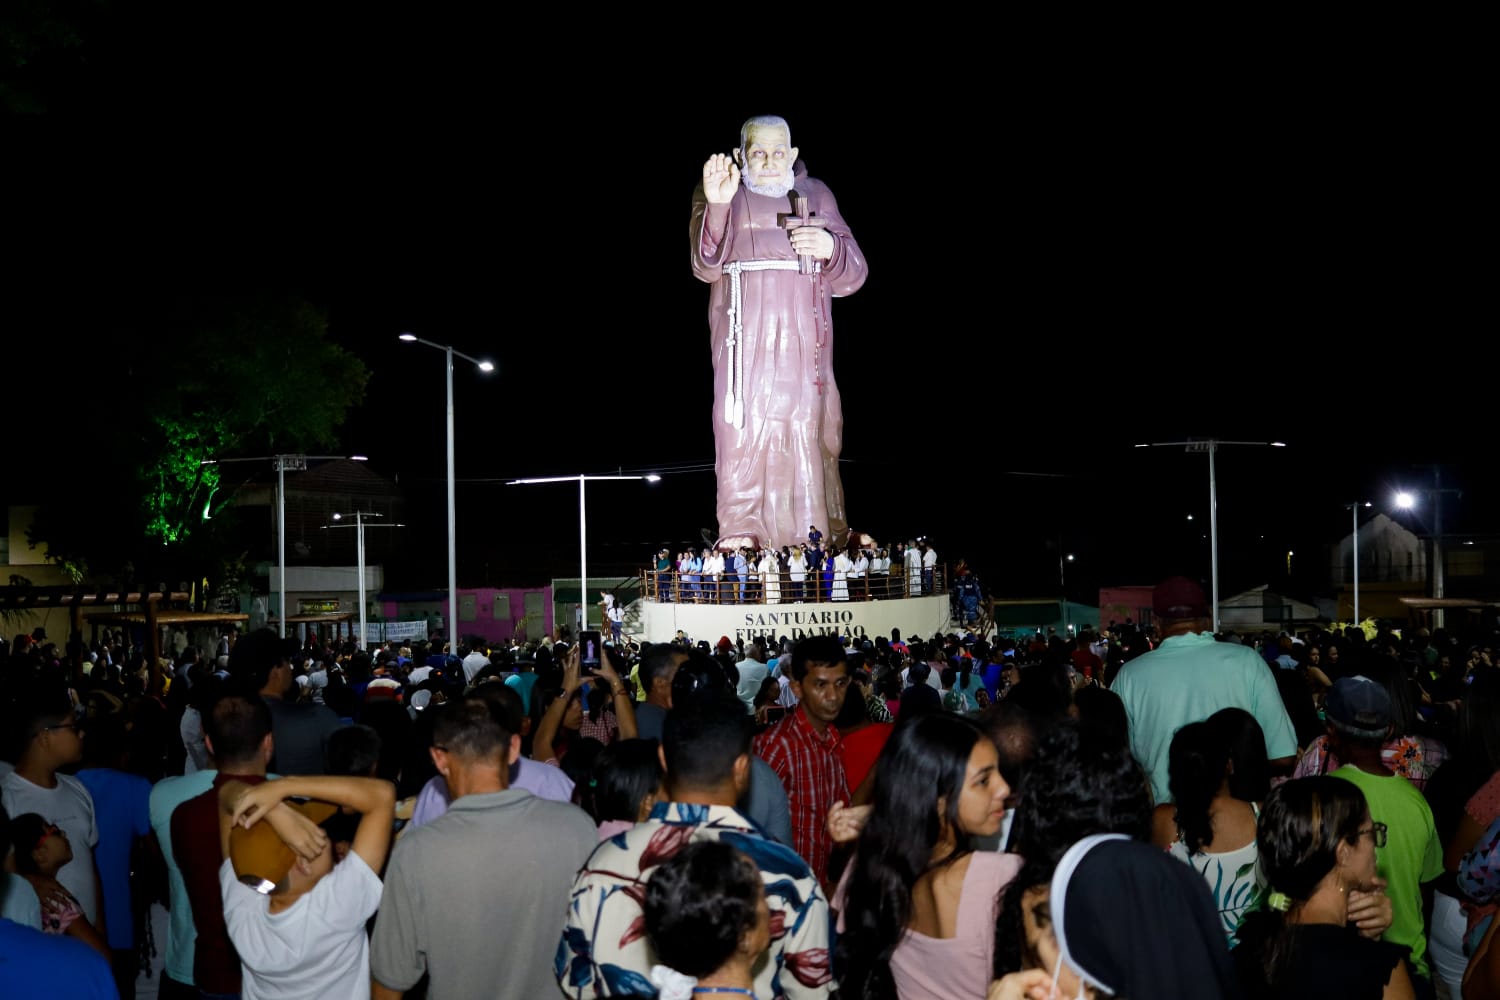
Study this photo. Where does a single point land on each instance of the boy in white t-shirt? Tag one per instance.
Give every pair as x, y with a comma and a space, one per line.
296, 918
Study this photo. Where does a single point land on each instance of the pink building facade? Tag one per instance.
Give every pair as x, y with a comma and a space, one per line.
495, 613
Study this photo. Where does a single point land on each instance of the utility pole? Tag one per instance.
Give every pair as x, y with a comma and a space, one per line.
1438, 556
1210, 446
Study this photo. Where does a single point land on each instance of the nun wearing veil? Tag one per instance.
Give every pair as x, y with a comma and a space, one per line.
1122, 919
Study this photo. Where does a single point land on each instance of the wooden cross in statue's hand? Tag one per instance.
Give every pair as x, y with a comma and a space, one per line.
797, 220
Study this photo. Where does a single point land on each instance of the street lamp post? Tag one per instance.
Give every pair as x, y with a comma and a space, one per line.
484, 366
1211, 446
1062, 579
583, 523
294, 463
359, 527
1353, 508
297, 463
1406, 501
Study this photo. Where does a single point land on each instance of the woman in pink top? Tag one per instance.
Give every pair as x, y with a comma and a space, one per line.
916, 907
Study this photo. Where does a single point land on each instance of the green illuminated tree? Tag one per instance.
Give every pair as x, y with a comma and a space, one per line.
203, 378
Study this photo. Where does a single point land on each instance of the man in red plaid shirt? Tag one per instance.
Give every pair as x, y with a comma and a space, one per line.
804, 749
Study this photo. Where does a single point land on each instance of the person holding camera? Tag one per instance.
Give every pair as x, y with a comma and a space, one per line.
564, 717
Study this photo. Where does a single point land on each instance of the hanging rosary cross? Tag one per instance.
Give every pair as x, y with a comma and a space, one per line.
797, 220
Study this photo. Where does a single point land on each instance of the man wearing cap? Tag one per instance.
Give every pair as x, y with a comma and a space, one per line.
1190, 676
1358, 712
296, 918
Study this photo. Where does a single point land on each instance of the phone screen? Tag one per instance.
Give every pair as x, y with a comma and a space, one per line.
588, 651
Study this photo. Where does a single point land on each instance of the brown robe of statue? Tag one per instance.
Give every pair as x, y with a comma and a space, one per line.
778, 469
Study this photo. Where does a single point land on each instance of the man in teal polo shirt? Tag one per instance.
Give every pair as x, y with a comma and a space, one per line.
1189, 677
166, 795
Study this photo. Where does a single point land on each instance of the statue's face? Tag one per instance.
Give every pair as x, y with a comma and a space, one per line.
767, 157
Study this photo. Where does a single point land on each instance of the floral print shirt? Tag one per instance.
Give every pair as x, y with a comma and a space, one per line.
604, 951
59, 910
1415, 758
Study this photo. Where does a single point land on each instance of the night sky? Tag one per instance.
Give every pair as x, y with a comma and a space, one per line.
1057, 272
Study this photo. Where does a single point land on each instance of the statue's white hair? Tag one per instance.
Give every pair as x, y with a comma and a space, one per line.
764, 121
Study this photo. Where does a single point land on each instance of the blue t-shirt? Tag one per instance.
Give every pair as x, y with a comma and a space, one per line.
33, 964
122, 811
992, 677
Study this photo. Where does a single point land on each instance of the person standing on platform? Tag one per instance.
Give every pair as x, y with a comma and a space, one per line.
616, 622
796, 569
912, 563
663, 576
770, 578
841, 569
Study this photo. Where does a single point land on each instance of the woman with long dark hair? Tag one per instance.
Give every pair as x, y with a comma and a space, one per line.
625, 783
1080, 782
1205, 826
1317, 846
916, 905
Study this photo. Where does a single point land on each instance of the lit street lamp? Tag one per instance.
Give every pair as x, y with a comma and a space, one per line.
583, 523
1062, 579
359, 526
1211, 446
1406, 500
484, 366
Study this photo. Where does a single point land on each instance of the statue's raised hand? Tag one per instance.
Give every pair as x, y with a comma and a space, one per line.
721, 178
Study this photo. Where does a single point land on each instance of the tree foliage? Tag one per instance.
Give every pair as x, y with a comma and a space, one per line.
199, 379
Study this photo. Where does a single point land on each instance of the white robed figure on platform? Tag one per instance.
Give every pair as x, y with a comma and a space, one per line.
841, 567
770, 578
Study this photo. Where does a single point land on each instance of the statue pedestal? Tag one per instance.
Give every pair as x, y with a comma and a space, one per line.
924, 616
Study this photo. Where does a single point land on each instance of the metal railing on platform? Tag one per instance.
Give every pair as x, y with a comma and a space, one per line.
675, 587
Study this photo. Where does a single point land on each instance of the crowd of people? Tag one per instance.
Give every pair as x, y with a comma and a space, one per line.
1128, 812
817, 571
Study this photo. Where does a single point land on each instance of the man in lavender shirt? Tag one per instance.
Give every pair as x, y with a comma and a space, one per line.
542, 780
